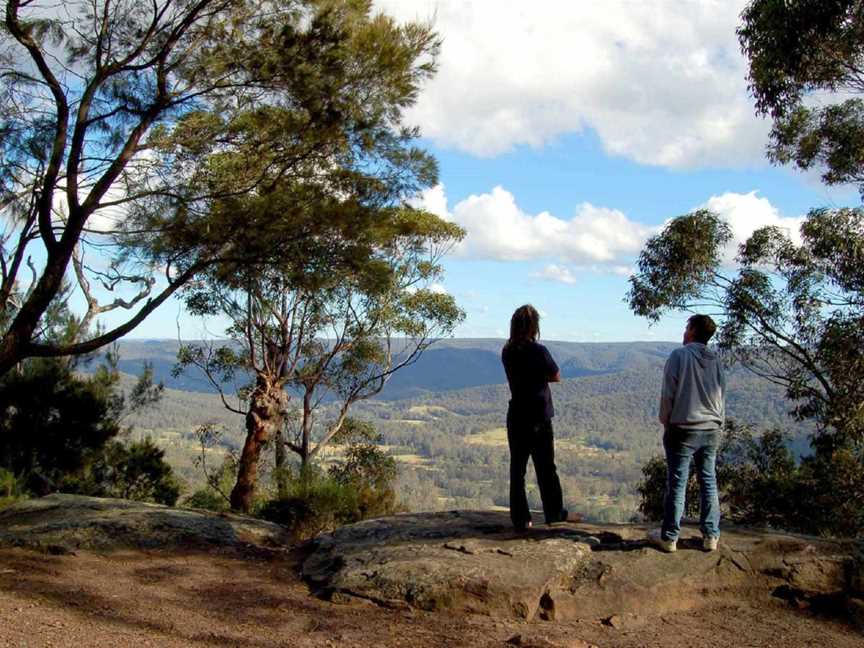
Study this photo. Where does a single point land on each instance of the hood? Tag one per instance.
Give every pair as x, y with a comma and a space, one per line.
703, 355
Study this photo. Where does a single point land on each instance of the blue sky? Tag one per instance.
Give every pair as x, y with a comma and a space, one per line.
566, 133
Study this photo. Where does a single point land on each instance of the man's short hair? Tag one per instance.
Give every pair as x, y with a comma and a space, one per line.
703, 327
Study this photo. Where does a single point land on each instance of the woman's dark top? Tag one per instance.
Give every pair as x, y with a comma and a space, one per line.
529, 368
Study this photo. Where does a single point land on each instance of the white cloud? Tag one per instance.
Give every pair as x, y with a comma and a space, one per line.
498, 229
438, 289
745, 213
597, 240
552, 272
662, 83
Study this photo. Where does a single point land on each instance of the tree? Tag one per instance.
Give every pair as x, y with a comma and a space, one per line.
122, 123
803, 49
59, 431
330, 326
792, 313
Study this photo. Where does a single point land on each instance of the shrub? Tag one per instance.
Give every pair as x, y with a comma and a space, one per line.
760, 483
137, 471
10, 489
206, 498
312, 501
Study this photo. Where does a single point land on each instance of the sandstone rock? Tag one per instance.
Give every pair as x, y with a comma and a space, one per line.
63, 523
472, 561
523, 641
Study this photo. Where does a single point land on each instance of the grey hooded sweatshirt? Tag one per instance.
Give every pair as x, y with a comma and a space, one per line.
694, 389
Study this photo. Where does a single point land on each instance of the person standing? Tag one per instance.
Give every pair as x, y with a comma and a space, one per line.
530, 368
692, 411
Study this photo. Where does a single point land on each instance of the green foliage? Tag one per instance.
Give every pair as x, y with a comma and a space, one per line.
677, 265
229, 133
797, 50
51, 419
791, 313
206, 498
137, 471
10, 489
359, 486
652, 490
370, 473
314, 502
761, 484
58, 430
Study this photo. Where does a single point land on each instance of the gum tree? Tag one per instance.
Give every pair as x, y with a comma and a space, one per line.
133, 136
328, 326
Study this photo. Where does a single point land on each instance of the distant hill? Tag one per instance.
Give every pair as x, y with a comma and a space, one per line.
443, 420
448, 365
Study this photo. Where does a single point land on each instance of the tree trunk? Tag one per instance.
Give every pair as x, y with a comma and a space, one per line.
307, 430
267, 404
281, 458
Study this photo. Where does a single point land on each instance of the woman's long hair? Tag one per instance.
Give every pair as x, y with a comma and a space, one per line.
524, 326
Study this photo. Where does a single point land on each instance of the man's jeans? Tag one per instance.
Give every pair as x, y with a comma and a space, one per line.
682, 445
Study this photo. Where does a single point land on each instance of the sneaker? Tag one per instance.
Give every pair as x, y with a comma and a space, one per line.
710, 544
655, 537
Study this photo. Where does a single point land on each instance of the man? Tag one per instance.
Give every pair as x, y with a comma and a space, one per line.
692, 411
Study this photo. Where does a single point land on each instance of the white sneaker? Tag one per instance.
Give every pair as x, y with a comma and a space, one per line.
655, 537
710, 544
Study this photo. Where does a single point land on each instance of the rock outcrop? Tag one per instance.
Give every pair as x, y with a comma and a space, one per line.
474, 562
61, 523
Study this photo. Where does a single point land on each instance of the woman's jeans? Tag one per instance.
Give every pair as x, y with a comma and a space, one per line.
533, 440
682, 446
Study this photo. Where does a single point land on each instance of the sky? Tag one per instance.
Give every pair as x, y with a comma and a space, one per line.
567, 132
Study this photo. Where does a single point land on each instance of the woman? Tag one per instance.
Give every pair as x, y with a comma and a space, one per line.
530, 368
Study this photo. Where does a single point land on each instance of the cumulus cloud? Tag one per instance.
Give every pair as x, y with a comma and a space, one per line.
746, 213
661, 83
594, 240
552, 272
498, 229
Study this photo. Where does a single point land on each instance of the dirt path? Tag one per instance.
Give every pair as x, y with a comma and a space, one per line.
218, 599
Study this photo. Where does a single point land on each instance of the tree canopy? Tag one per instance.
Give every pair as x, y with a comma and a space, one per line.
140, 143
330, 324
806, 73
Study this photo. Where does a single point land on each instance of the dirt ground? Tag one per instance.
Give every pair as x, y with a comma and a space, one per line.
218, 599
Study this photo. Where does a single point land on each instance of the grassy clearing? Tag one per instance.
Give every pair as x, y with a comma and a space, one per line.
429, 410
493, 437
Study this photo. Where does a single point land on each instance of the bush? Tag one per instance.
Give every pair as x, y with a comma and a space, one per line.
206, 498
312, 501
760, 483
10, 489
51, 419
137, 471
58, 431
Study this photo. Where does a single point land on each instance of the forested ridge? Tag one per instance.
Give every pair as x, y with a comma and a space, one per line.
450, 443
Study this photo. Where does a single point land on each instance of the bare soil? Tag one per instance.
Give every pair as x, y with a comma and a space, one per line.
218, 598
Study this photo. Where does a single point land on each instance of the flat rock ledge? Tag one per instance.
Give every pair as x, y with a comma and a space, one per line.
474, 562
62, 523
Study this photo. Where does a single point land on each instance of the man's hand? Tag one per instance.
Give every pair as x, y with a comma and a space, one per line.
556, 377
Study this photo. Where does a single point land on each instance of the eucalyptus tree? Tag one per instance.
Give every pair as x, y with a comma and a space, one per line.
793, 306
329, 326
806, 74
792, 311
131, 132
